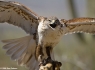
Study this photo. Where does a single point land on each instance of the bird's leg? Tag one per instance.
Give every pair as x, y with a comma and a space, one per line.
48, 59
44, 61
39, 54
48, 51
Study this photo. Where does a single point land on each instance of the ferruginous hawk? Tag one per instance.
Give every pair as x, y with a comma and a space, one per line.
44, 32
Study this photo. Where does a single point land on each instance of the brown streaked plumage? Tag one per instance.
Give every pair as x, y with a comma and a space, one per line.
44, 32
83, 24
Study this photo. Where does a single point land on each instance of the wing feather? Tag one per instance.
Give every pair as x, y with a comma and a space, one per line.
22, 50
18, 15
80, 25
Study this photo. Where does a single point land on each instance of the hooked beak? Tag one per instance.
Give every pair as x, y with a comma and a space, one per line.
51, 27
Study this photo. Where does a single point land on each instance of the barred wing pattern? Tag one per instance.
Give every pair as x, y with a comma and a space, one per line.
80, 25
22, 49
18, 15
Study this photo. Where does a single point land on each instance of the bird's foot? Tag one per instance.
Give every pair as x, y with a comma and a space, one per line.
51, 65
40, 64
49, 60
45, 61
54, 64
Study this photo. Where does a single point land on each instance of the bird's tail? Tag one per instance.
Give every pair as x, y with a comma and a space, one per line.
22, 50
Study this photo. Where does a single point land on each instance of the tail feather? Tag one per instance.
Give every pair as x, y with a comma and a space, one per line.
22, 50
9, 45
28, 53
9, 41
18, 39
28, 64
33, 64
11, 50
12, 42
19, 61
18, 53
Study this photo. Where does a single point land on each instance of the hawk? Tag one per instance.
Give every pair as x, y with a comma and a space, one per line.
44, 33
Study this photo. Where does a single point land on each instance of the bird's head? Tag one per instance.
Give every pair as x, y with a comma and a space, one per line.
52, 22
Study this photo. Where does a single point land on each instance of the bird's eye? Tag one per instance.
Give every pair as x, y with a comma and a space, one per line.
49, 20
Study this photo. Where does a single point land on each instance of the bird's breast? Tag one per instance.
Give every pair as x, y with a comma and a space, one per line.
48, 37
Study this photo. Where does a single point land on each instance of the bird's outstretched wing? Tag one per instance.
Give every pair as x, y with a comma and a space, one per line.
22, 49
18, 15
79, 25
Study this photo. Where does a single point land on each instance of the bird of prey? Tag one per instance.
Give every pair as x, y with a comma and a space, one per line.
44, 33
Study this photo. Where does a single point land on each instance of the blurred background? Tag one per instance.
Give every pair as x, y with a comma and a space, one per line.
75, 51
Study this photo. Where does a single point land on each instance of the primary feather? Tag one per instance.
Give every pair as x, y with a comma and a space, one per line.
79, 25
18, 15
